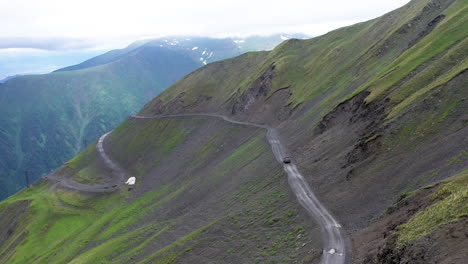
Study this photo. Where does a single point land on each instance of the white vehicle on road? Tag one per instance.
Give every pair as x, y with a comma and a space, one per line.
131, 181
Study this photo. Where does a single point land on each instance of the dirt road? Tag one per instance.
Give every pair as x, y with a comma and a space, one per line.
334, 251
115, 182
334, 242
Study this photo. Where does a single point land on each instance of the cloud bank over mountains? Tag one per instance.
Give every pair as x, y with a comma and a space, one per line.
108, 24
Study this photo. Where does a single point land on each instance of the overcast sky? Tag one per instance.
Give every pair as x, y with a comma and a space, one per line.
105, 24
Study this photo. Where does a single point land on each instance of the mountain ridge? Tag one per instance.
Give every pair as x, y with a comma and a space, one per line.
184, 43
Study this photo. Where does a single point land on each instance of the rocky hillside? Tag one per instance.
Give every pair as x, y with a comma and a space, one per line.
374, 116
47, 119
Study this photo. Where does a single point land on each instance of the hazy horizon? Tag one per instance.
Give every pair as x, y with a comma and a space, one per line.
51, 34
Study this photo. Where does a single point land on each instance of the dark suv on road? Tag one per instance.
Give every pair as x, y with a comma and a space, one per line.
286, 160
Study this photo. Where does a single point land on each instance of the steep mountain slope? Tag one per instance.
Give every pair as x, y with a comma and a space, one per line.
369, 113
218, 187
397, 87
47, 119
424, 226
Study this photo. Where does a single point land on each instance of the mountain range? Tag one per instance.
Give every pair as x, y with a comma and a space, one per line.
349, 147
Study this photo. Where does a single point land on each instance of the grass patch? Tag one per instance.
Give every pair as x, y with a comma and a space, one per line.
459, 158
83, 157
58, 226
451, 203
149, 138
449, 33
170, 253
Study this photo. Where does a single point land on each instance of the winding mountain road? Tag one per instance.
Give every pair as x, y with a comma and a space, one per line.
334, 242
117, 180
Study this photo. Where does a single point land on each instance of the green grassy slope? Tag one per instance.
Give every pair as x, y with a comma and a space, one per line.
368, 112
450, 203
161, 221
392, 87
217, 80
423, 226
401, 55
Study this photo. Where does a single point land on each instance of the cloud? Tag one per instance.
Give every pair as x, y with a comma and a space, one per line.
60, 24
44, 43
